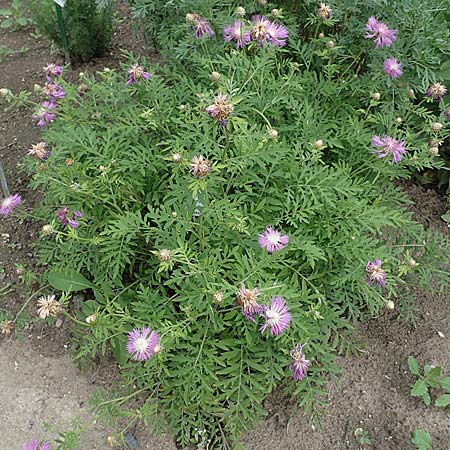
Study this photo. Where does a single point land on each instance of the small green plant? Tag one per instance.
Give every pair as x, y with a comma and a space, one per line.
363, 436
13, 17
422, 440
69, 439
431, 378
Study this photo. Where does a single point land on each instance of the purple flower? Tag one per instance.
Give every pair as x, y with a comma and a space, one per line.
235, 32
266, 32
299, 363
277, 317
447, 115
52, 71
384, 37
221, 109
44, 114
137, 73
436, 91
393, 68
63, 217
53, 91
389, 146
200, 25
9, 203
272, 240
142, 343
34, 445
248, 301
374, 273
39, 151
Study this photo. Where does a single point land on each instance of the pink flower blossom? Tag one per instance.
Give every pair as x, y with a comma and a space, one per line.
299, 363
393, 68
374, 273
266, 32
44, 115
236, 32
53, 91
272, 240
142, 343
137, 73
64, 218
34, 445
52, 71
384, 37
9, 203
389, 146
277, 317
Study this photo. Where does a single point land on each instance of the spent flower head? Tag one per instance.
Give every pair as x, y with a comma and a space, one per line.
248, 301
375, 274
388, 146
66, 219
6, 327
272, 240
324, 11
136, 73
436, 91
52, 71
221, 109
48, 306
277, 317
200, 25
200, 167
299, 364
384, 37
141, 343
9, 203
164, 255
39, 151
53, 91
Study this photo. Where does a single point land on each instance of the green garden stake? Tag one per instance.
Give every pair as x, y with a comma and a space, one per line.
3, 182
62, 29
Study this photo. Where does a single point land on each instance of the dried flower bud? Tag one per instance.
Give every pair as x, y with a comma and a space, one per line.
182, 107
273, 134
321, 35
48, 306
81, 75
433, 151
262, 2
5, 92
83, 88
92, 319
7, 326
164, 255
157, 349
412, 262
436, 91
215, 76
324, 12
436, 126
330, 44
376, 96
411, 93
398, 120
47, 230
200, 167
275, 12
20, 271
102, 169
68, 162
177, 158
190, 18
240, 11
37, 89
106, 69
318, 144
390, 304
218, 297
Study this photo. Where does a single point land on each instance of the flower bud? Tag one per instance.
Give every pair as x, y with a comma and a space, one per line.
433, 151
398, 120
275, 12
47, 230
318, 144
215, 76
164, 255
20, 271
182, 107
240, 11
376, 96
177, 158
262, 2
106, 69
412, 262
37, 89
92, 319
321, 35
157, 349
411, 93
68, 162
436, 126
190, 18
330, 44
273, 134
218, 297
81, 75
390, 304
7, 326
5, 92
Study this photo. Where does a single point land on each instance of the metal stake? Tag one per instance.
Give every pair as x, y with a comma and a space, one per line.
3, 182
62, 30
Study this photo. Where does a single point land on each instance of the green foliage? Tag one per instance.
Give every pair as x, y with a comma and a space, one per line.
13, 17
422, 440
88, 23
432, 378
123, 156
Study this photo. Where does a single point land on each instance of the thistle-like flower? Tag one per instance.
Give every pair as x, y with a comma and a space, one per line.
447, 115
221, 109
324, 11
47, 229
142, 343
299, 364
39, 151
200, 167
7, 326
248, 301
436, 91
34, 445
436, 126
52, 71
393, 68
277, 317
63, 217
266, 32
237, 33
218, 297
53, 91
375, 274
48, 306
164, 255
272, 240
200, 25
45, 113
389, 147
384, 37
9, 203
137, 73
215, 76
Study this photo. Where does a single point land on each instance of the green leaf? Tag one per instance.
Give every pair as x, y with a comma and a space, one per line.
6, 23
445, 383
443, 400
444, 70
5, 12
419, 388
22, 21
422, 440
413, 365
69, 281
446, 217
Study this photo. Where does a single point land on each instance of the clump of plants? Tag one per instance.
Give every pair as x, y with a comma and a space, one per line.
89, 25
231, 214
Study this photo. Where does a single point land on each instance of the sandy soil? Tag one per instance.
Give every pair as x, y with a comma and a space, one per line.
40, 382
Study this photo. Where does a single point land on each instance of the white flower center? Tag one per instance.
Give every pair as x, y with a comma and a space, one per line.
6, 202
273, 238
272, 317
141, 344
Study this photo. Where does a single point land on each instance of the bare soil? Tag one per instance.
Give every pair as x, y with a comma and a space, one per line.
40, 382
